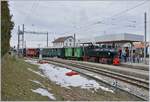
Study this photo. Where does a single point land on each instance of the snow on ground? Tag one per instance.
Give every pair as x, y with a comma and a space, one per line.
58, 75
33, 61
44, 92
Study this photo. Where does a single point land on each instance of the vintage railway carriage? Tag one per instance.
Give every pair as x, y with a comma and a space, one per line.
78, 53
46, 52
61, 52
69, 53
37, 52
74, 53
32, 52
53, 52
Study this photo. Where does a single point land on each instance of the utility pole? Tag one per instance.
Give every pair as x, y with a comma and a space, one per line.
18, 40
25, 44
25, 48
22, 38
145, 37
47, 39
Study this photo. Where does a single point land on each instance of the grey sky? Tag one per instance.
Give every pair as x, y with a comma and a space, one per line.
85, 18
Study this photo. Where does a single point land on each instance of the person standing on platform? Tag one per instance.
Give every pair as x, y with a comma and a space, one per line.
133, 57
138, 57
120, 53
127, 54
123, 56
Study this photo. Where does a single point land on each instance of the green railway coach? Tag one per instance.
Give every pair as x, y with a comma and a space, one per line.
61, 52
54, 52
68, 52
46, 52
78, 53
74, 53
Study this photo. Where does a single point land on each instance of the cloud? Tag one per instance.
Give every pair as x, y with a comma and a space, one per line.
80, 17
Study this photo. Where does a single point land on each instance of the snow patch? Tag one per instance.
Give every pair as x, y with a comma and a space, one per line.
44, 92
58, 75
33, 61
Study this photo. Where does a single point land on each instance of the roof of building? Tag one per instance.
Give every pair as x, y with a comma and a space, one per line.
61, 39
108, 38
141, 44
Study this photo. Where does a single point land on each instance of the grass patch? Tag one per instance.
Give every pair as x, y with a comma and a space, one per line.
16, 85
15, 80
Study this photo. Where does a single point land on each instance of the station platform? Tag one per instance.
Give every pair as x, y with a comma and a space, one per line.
140, 66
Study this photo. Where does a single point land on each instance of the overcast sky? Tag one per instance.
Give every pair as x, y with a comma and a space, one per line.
85, 18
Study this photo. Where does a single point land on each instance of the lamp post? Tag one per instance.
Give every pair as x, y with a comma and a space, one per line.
145, 38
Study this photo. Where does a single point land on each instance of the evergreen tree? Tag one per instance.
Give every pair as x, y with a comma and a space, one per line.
6, 27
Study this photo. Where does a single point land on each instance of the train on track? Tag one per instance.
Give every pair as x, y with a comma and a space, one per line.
88, 53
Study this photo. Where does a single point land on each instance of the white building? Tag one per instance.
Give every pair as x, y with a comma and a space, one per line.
60, 42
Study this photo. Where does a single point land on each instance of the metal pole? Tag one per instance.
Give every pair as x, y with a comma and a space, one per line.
83, 50
145, 38
47, 39
18, 39
25, 49
131, 56
22, 38
74, 39
25, 44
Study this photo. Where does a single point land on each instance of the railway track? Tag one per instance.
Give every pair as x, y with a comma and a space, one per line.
128, 79
142, 74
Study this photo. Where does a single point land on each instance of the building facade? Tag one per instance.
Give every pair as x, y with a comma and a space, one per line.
67, 41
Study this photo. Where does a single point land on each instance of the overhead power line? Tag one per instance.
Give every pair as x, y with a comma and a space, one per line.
129, 9
32, 10
117, 14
